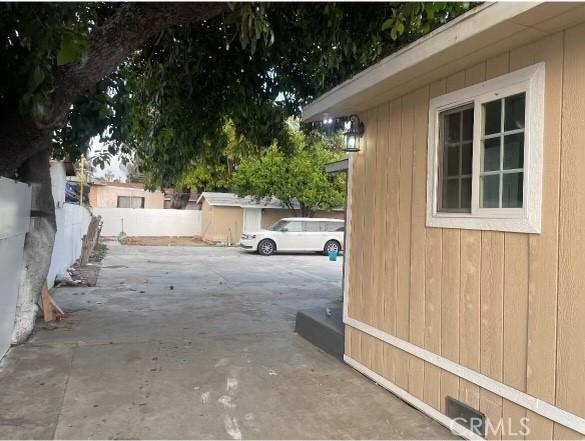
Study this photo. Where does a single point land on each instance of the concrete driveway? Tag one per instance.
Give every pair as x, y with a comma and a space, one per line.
195, 342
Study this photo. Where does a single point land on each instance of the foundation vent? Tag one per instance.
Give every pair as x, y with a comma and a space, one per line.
465, 415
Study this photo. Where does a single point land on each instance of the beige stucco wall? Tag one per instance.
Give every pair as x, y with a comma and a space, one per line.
107, 196
221, 224
507, 305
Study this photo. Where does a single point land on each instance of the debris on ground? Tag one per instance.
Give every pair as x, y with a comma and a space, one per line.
49, 308
66, 280
161, 240
75, 276
86, 275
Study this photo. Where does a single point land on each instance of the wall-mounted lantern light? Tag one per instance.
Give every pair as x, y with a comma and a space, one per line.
354, 130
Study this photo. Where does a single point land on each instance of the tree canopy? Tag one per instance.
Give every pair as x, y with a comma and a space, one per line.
298, 177
161, 79
253, 65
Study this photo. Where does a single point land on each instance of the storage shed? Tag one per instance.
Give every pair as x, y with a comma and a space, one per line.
225, 216
464, 290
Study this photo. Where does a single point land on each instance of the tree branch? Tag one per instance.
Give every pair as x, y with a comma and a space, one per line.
132, 26
110, 44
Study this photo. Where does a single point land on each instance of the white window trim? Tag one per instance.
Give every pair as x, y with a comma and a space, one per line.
523, 220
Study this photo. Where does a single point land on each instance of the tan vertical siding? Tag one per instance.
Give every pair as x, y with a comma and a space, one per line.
570, 393
543, 248
390, 216
434, 279
404, 210
392, 357
373, 295
222, 224
206, 218
432, 384
378, 218
417, 245
508, 305
491, 343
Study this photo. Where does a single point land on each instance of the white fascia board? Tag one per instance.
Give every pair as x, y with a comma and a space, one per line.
464, 27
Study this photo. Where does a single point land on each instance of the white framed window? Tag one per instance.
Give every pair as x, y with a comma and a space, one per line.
130, 202
485, 154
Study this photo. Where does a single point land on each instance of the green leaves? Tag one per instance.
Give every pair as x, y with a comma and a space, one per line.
298, 177
204, 96
37, 77
37, 39
73, 48
254, 25
414, 19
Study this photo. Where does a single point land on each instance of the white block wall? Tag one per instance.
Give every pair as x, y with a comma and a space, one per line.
14, 224
72, 222
149, 221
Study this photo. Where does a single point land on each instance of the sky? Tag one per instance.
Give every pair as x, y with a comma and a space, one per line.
119, 170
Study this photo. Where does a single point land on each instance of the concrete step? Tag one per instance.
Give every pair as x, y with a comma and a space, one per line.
324, 330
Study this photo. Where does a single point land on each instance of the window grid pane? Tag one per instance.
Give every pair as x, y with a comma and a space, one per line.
456, 136
502, 153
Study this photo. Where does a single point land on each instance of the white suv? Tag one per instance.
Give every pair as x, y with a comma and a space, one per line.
297, 234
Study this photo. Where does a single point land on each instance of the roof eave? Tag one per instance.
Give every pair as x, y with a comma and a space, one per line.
465, 27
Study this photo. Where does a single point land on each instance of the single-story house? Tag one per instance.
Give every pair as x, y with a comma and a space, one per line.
224, 216
464, 289
124, 195
191, 204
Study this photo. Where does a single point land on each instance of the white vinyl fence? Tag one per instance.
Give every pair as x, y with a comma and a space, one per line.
149, 221
14, 223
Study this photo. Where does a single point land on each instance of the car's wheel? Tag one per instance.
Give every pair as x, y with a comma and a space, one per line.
266, 247
330, 246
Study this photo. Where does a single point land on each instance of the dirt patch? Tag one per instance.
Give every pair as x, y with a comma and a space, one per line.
99, 252
163, 241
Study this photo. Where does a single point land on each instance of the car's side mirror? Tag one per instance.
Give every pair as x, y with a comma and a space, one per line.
284, 230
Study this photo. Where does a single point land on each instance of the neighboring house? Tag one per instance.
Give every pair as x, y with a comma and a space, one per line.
465, 275
224, 216
124, 195
191, 203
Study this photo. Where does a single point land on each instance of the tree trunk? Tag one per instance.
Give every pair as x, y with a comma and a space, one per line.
110, 44
26, 144
38, 243
180, 198
306, 211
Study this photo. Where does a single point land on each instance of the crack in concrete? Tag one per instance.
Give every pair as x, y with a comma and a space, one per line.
64, 394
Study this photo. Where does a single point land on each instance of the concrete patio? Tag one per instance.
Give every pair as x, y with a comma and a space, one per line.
195, 342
